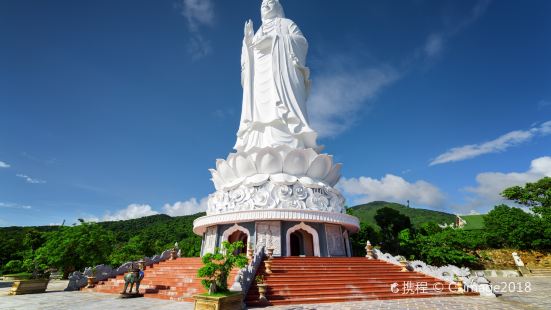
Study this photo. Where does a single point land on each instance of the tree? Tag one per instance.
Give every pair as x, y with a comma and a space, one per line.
359, 239
135, 249
77, 247
217, 266
512, 227
391, 222
443, 247
536, 195
535, 233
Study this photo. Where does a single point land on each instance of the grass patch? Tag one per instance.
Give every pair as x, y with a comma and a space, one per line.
474, 222
220, 294
21, 275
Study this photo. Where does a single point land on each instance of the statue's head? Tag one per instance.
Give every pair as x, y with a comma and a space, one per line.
271, 9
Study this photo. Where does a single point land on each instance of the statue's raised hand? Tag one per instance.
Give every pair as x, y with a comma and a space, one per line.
249, 32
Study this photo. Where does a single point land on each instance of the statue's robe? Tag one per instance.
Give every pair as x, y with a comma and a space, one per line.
275, 84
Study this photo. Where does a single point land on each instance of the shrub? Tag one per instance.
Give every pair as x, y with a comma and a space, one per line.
218, 266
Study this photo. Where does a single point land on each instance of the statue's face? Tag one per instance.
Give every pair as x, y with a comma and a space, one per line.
269, 9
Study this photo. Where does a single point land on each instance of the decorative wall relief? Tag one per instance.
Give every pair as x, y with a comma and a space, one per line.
335, 240
210, 240
268, 234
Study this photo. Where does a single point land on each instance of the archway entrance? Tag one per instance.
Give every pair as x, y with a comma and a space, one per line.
239, 236
302, 243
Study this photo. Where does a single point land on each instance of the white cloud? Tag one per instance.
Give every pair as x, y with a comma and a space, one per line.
491, 184
191, 206
14, 206
133, 211
30, 180
393, 188
4, 165
338, 96
198, 13
499, 144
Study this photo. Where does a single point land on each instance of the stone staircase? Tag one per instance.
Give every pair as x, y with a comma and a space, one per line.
172, 279
540, 272
303, 280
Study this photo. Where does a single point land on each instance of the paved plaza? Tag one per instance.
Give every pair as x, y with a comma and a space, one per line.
517, 294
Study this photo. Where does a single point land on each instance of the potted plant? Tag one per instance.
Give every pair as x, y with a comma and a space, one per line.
92, 278
261, 287
37, 283
214, 277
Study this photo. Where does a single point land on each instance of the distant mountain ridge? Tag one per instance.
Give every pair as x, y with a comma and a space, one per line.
366, 213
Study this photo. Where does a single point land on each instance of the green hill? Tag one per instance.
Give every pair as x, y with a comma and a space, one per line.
366, 213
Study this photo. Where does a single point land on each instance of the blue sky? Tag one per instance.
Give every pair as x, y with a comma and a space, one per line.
116, 109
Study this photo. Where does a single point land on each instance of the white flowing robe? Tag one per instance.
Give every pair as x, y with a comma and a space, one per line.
275, 84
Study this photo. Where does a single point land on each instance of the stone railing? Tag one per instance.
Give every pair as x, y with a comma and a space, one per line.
78, 280
246, 275
473, 282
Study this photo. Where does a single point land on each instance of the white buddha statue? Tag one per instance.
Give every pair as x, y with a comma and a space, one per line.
275, 83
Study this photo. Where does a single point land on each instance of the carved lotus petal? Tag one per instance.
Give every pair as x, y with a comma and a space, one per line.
320, 167
283, 150
310, 155
233, 184
333, 177
283, 178
296, 163
244, 167
269, 161
309, 182
256, 180
231, 158
225, 171
218, 182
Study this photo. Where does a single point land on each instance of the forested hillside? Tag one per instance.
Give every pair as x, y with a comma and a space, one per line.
366, 213
115, 242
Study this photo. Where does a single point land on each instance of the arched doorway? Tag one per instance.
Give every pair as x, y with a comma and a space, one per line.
302, 243
302, 239
237, 233
239, 236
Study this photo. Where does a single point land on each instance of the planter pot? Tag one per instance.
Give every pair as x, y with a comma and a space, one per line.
460, 289
404, 265
268, 266
206, 302
270, 253
33, 286
91, 282
262, 292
